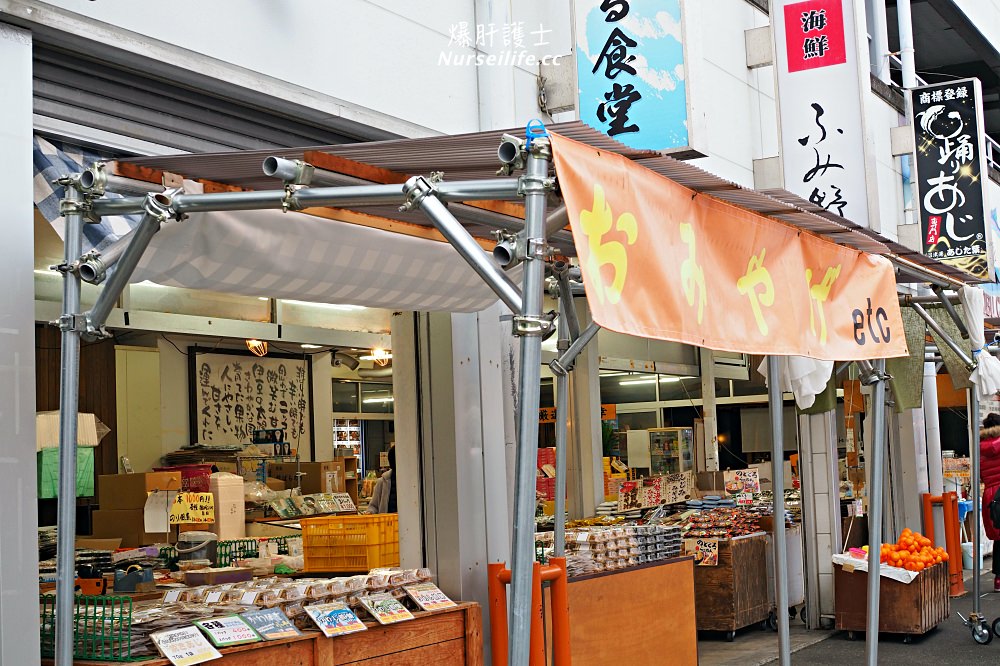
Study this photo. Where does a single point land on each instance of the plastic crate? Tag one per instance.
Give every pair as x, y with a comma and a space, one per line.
351, 543
102, 628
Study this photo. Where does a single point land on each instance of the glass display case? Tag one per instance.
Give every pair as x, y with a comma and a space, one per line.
671, 450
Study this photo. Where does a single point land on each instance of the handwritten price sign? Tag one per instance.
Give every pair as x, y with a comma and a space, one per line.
193, 508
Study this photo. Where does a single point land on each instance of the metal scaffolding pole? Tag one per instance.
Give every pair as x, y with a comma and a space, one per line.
530, 326
423, 194
776, 407
69, 399
155, 213
875, 461
562, 426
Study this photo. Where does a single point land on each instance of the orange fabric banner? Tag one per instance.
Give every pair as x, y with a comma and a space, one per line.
662, 261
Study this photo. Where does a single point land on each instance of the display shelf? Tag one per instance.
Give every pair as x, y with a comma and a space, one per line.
451, 637
905, 608
733, 594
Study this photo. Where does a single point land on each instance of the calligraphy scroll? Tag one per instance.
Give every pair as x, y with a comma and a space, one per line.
233, 394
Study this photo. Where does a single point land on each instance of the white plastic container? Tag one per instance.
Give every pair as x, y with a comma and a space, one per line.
967, 555
230, 512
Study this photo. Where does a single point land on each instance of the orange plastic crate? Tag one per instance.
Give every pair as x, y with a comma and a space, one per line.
351, 543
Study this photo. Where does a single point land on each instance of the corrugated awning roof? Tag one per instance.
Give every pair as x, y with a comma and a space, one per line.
473, 156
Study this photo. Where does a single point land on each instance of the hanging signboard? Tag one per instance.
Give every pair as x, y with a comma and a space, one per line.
819, 91
660, 261
631, 73
951, 174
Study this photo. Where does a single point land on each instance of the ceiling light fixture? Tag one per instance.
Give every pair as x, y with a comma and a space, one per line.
379, 355
309, 346
257, 347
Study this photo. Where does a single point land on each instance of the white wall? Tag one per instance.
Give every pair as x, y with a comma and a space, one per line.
382, 55
19, 537
985, 15
735, 104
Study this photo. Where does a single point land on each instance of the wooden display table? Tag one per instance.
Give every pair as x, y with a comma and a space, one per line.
733, 594
904, 608
635, 616
450, 637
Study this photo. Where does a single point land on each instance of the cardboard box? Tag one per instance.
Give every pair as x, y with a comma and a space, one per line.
129, 491
99, 544
317, 477
127, 524
47, 430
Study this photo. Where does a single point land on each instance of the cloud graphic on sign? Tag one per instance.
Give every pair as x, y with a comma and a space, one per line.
661, 25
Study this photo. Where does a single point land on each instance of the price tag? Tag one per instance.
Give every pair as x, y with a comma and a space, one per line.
185, 646
229, 630
428, 596
744, 499
335, 619
215, 596
249, 598
192, 508
172, 596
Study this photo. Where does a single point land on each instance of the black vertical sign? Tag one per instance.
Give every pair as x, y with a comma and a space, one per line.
950, 174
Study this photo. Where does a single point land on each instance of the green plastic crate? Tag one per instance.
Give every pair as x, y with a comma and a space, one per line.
102, 628
48, 472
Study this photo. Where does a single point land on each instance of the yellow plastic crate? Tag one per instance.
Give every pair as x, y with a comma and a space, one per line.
351, 543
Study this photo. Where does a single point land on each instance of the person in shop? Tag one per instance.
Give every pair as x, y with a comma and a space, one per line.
989, 451
384, 496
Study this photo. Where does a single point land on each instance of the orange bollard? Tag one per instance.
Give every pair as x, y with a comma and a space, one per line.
537, 618
953, 544
560, 613
928, 501
498, 612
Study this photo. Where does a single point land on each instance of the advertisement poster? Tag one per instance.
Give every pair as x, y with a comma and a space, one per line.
185, 646
705, 551
271, 624
335, 619
429, 597
740, 481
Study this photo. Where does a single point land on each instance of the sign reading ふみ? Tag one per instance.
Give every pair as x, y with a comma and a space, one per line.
819, 92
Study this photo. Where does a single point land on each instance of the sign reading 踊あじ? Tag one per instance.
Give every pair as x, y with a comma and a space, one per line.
950, 174
630, 71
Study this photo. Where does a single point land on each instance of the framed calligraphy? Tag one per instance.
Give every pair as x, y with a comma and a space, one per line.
232, 394
951, 176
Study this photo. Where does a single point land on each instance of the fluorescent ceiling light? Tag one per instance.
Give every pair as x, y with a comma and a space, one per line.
650, 380
308, 346
329, 306
381, 400
263, 298
376, 357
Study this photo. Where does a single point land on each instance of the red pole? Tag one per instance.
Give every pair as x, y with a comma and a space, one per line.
953, 544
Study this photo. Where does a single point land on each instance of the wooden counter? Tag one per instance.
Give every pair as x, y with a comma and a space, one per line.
635, 616
450, 637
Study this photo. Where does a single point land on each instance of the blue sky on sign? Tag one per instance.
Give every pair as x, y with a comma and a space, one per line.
661, 113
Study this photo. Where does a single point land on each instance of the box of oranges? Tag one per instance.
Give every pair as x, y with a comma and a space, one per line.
913, 552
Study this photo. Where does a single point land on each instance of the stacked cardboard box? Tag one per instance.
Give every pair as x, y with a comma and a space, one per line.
122, 498
317, 477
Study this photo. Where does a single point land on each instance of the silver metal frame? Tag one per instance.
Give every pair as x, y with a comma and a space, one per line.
531, 325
